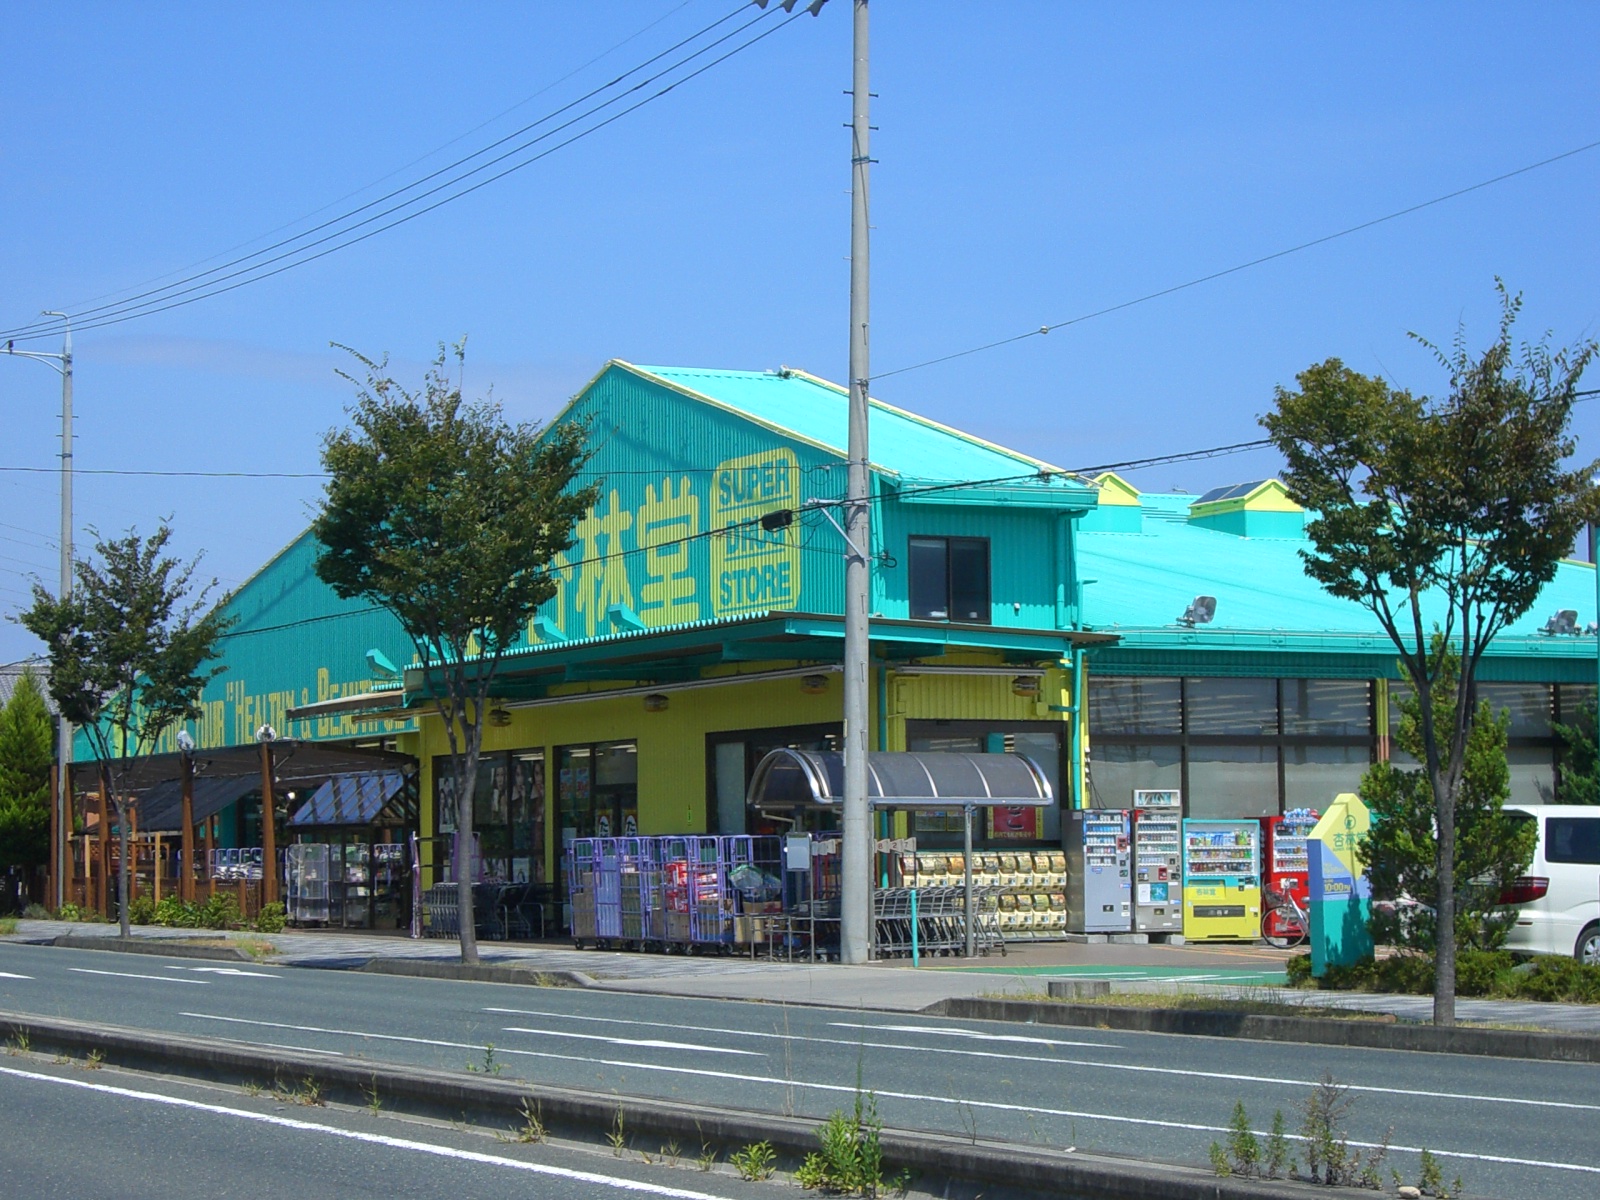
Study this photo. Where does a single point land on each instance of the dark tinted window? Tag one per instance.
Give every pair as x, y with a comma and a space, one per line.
1572, 840
1232, 706
930, 579
949, 579
969, 580
1134, 705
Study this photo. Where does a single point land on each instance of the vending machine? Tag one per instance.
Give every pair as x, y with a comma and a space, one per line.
1221, 880
1283, 853
1158, 861
1099, 891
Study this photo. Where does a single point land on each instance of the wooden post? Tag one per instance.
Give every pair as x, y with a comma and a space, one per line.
58, 847
104, 841
269, 831
133, 851
186, 877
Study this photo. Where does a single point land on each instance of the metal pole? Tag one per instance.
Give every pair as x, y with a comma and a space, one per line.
64, 728
855, 906
970, 911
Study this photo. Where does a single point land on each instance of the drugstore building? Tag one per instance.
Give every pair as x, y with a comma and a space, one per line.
1014, 607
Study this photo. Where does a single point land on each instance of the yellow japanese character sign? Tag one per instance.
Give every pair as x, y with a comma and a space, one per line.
602, 565
666, 526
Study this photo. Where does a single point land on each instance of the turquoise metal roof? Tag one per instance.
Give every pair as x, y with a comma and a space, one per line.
816, 410
1145, 580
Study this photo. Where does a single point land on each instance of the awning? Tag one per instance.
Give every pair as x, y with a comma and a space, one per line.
350, 800
160, 810
900, 779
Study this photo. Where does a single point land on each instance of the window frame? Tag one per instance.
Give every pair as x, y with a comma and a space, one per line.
948, 542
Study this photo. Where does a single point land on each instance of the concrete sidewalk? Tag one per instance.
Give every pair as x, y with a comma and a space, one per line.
1243, 972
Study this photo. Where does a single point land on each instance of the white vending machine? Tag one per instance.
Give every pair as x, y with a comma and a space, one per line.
1098, 883
1158, 861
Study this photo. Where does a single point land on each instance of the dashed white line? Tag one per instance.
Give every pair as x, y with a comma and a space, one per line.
648, 1043
229, 971
13, 975
136, 975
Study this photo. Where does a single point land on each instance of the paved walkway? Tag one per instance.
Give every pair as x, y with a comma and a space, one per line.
1246, 972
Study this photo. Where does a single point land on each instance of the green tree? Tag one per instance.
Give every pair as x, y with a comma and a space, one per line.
1578, 771
128, 653
1446, 514
447, 516
27, 735
1401, 850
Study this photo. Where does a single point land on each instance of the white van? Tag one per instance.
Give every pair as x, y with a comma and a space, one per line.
1559, 897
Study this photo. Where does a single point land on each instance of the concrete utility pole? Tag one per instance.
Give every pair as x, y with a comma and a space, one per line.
855, 936
63, 799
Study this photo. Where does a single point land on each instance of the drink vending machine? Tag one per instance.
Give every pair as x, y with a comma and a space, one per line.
1099, 888
1283, 854
1221, 880
1158, 861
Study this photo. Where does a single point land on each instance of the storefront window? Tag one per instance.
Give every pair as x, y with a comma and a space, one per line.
1232, 781
1314, 775
1327, 707
1231, 706
1135, 705
1533, 774
599, 790
1116, 771
1528, 704
507, 813
1000, 826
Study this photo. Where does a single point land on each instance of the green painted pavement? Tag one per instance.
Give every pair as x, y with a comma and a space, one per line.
1243, 977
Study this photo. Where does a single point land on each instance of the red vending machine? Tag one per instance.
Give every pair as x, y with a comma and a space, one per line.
1285, 865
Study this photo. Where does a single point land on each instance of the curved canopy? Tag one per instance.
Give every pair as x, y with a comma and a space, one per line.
900, 779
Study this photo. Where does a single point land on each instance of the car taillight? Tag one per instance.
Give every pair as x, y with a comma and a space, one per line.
1525, 890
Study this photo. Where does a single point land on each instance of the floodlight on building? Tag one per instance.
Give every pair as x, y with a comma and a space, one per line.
499, 717
813, 685
1200, 611
266, 733
656, 702
1565, 621
780, 518
185, 742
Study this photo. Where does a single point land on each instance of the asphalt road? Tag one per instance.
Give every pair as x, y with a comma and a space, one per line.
1510, 1128
133, 1137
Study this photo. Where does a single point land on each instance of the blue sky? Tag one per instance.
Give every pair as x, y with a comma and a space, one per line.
1036, 161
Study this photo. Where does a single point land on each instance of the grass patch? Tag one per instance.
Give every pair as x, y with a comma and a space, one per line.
256, 948
8, 926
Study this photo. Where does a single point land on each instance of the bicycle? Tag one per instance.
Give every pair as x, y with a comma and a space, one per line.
1284, 924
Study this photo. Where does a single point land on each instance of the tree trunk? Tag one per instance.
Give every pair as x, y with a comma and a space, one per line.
466, 785
1444, 946
122, 868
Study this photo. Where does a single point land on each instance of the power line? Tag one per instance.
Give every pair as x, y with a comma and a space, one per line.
403, 167
164, 299
1245, 266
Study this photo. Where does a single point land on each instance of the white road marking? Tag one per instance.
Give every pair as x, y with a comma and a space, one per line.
1076, 1114
13, 975
229, 971
136, 975
1384, 1089
371, 1139
781, 1037
1071, 1062
650, 1043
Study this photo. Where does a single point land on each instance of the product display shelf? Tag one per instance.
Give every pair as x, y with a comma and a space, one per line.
1030, 886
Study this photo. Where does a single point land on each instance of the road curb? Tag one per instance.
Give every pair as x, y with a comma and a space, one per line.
477, 972
167, 947
1321, 1031
1021, 1169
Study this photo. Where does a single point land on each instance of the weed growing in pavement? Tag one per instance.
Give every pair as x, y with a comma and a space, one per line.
1329, 1159
851, 1158
533, 1129
754, 1163
1243, 1155
1430, 1178
618, 1137
672, 1152
93, 1060
61, 1060
707, 1158
374, 1101
1277, 1147
18, 1044
307, 1094
252, 1088
490, 1066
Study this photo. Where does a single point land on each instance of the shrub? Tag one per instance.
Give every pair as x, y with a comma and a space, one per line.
221, 911
141, 910
271, 918
1479, 972
1550, 978
69, 912
36, 912
175, 913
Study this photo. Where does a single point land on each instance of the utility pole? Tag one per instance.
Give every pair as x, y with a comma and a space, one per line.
855, 934
63, 798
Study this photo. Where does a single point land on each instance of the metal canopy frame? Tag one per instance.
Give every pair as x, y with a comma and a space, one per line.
906, 779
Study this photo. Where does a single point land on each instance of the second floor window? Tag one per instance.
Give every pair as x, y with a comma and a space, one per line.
950, 579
